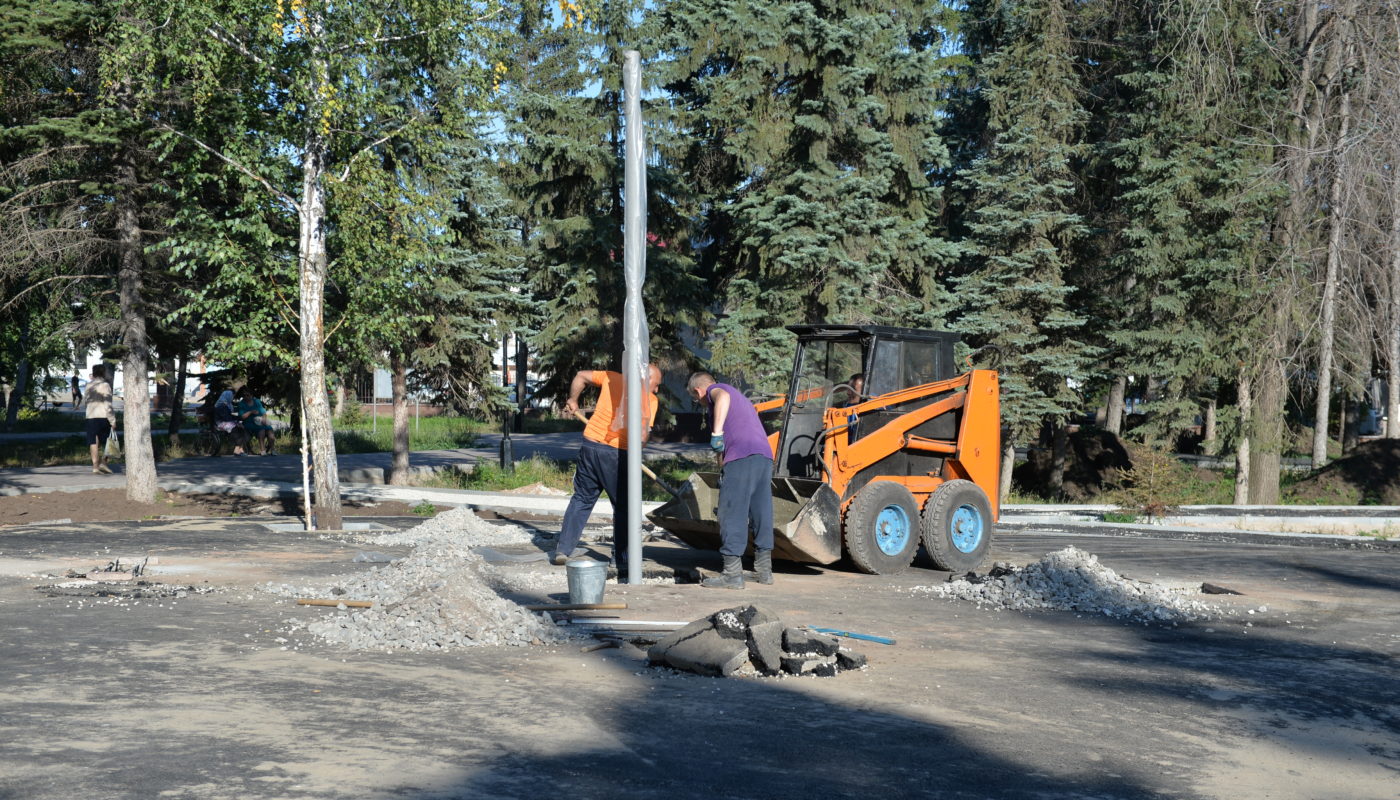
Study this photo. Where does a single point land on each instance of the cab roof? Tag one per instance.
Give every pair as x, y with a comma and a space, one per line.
823, 330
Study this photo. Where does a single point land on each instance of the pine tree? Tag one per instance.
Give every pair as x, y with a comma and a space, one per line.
812, 129
1019, 209
565, 167
1176, 196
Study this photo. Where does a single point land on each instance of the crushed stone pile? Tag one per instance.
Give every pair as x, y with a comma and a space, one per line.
1073, 580
748, 640
441, 596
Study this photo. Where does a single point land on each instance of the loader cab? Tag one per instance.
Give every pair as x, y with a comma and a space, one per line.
842, 365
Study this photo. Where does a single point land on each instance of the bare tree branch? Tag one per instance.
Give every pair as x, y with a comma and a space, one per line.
236, 164
13, 300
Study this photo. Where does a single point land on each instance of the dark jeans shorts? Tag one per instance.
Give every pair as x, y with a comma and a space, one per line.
97, 430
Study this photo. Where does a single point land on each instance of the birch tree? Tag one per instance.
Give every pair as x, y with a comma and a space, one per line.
311, 88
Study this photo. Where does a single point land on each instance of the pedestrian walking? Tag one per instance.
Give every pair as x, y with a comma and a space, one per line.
101, 418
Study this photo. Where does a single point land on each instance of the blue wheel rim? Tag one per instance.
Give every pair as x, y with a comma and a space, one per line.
966, 529
892, 530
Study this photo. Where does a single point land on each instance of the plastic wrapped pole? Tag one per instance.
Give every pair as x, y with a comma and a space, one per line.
634, 336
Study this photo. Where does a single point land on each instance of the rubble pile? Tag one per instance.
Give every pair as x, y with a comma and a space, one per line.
459, 524
1073, 580
438, 597
750, 640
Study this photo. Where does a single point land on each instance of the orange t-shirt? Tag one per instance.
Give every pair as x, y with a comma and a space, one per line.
610, 385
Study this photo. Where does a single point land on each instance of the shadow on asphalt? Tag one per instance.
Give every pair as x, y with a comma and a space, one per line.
714, 738
1371, 581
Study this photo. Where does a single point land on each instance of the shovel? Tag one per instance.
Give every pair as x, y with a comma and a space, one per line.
645, 469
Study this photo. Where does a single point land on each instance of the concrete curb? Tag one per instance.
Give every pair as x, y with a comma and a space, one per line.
1186, 533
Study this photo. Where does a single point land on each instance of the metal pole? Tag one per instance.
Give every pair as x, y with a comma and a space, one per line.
634, 265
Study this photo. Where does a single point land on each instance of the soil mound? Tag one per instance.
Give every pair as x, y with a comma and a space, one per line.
1093, 465
1368, 475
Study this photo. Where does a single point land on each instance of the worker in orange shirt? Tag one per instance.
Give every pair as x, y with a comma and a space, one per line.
602, 459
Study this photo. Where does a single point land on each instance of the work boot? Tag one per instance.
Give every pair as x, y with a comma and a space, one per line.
731, 578
763, 566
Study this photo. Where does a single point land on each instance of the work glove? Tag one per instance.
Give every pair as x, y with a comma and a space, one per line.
717, 442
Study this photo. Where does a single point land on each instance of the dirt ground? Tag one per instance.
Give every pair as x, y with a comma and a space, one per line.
107, 505
224, 695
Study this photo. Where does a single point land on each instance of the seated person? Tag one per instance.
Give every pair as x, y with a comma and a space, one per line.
847, 397
251, 413
226, 421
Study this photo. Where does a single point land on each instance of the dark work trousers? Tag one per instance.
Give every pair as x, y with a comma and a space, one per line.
600, 469
746, 497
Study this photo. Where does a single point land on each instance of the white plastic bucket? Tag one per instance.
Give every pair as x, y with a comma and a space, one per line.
586, 580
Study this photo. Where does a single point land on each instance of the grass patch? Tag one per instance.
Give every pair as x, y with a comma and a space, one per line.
1119, 516
487, 476
428, 433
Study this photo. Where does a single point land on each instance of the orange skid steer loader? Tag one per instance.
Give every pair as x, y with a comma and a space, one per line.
878, 445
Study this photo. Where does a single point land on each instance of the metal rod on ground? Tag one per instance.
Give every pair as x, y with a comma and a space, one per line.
308, 601
865, 637
634, 266
575, 606
631, 624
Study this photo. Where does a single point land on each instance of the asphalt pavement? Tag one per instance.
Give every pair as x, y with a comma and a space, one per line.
223, 693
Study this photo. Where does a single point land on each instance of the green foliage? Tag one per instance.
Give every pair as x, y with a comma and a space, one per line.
810, 137
1017, 192
487, 476
424, 509
563, 162
1155, 485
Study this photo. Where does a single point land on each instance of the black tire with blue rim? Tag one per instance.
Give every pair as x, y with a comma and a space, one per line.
956, 526
881, 530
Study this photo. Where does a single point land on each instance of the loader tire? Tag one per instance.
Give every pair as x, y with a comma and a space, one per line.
956, 526
881, 530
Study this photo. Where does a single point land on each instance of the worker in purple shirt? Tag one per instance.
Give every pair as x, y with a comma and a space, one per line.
745, 482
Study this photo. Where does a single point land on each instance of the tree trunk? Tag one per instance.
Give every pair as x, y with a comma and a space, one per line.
177, 399
1268, 425
1059, 452
1349, 423
312, 262
1208, 428
140, 457
1114, 416
398, 374
1008, 464
339, 398
1329, 287
522, 363
1242, 448
1392, 342
165, 370
21, 352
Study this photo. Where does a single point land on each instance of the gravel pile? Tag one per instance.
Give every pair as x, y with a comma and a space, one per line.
1073, 580
440, 596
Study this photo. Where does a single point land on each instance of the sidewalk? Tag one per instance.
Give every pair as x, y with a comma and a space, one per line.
363, 468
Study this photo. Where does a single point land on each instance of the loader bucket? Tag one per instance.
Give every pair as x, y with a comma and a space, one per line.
806, 517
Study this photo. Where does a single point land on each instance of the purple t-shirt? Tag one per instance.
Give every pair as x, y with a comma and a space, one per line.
743, 432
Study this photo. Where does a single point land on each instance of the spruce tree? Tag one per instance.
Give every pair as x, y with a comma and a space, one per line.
812, 136
1018, 209
564, 163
